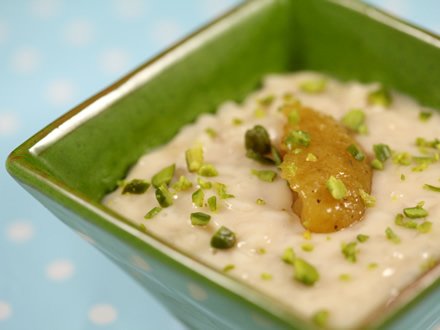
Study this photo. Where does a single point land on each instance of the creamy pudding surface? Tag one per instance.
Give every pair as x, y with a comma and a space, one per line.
337, 278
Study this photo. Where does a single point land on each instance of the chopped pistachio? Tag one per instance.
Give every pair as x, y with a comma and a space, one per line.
425, 115
260, 201
377, 164
307, 247
266, 100
421, 167
207, 170
424, 227
367, 199
380, 96
320, 318
311, 157
372, 265
432, 158
199, 219
428, 264
194, 158
261, 251
198, 197
290, 104
350, 251
153, 212
142, 228
228, 267
266, 276
314, 86
432, 155
354, 120
211, 132
307, 235
182, 184
424, 150
355, 152
297, 138
289, 168
257, 140
345, 277
305, 272
382, 152
420, 204
135, 186
288, 97
220, 188
288, 256
402, 158
204, 184
237, 121
435, 157
293, 117
402, 177
362, 238
276, 155
164, 196
212, 203
265, 175
425, 159
392, 236
400, 220
415, 212
259, 113
164, 176
424, 143
223, 239
431, 187
336, 188
363, 129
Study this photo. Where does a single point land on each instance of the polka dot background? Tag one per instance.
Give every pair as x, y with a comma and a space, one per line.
53, 55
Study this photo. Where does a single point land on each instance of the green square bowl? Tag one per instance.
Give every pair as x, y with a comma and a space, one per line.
72, 163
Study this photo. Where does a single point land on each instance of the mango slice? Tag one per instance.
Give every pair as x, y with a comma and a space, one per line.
315, 148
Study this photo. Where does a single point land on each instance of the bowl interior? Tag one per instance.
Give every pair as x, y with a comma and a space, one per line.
88, 150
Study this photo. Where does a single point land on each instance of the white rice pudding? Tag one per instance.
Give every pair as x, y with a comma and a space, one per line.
263, 232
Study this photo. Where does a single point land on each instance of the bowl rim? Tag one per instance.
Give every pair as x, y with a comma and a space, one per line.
25, 171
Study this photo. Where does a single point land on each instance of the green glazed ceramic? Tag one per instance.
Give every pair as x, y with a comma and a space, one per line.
72, 163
